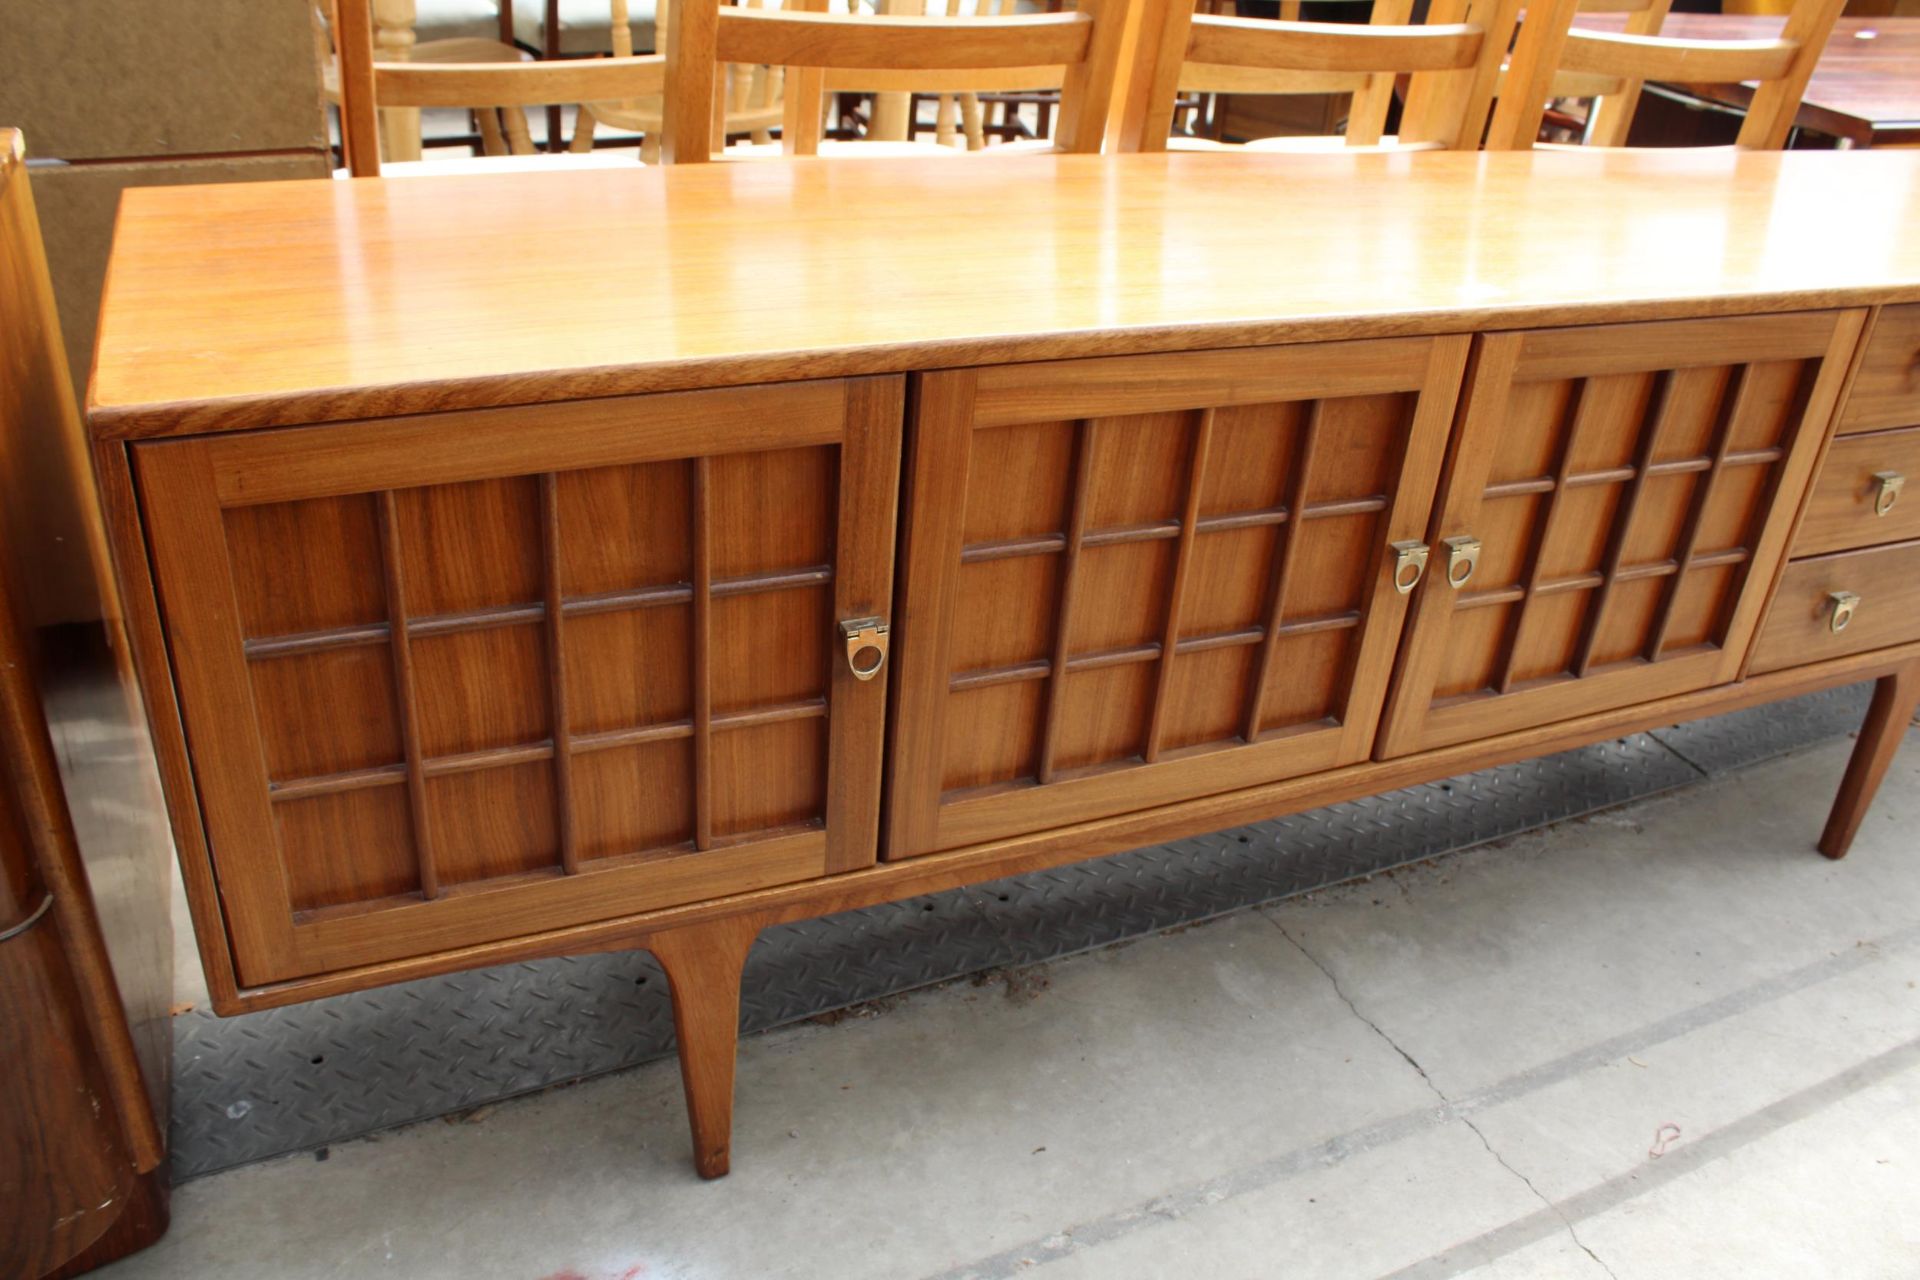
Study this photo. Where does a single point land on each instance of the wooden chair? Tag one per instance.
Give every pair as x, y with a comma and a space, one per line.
483, 85
1611, 99
963, 118
753, 95
1549, 55
910, 54
1453, 65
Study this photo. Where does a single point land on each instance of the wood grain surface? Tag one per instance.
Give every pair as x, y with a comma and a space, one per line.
569, 679
264, 304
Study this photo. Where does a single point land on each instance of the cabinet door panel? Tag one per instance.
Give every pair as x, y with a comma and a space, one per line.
580, 667
1136, 580
1630, 489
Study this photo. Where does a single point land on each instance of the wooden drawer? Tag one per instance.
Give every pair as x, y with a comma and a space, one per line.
1886, 392
1799, 628
1860, 498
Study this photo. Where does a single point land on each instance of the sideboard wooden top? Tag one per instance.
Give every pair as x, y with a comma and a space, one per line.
277, 303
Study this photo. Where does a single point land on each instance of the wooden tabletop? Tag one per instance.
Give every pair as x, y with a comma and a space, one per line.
1865, 89
271, 303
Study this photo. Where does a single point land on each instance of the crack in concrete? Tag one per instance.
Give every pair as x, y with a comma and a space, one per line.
1557, 1211
1448, 1105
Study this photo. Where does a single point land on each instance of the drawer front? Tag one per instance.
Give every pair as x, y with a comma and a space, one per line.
1861, 497
1886, 391
1619, 497
1800, 626
1136, 580
461, 678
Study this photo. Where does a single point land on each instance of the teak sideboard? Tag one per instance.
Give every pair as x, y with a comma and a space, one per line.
525, 566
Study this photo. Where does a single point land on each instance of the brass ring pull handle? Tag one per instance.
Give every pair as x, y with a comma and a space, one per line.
1409, 564
1463, 557
866, 646
1844, 605
1886, 490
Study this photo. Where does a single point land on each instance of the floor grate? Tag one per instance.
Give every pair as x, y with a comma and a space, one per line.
292, 1079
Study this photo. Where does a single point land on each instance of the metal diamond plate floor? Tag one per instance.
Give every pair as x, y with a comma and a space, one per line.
292, 1079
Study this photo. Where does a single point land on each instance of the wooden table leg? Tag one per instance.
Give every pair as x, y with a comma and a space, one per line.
1894, 699
703, 964
393, 40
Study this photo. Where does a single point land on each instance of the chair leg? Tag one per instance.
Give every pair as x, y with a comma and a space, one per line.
703, 964
549, 50
1894, 699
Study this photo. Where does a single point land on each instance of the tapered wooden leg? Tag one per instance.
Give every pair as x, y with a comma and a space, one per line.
703, 964
1894, 700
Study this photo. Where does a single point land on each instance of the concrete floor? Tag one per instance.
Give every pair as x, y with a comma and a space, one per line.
1667, 1041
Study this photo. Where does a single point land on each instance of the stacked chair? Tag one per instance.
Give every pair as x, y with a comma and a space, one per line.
1476, 72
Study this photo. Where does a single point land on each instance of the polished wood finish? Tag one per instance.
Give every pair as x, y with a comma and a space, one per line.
1181, 51
896, 880
703, 965
66, 1172
491, 78
1613, 100
352, 50
1799, 627
753, 289
753, 94
1886, 392
1625, 486
1118, 569
941, 53
85, 926
1549, 46
373, 783
1865, 88
143, 1220
1158, 535
1895, 698
1866, 493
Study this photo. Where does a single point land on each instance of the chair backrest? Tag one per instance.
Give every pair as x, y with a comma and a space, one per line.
918, 54
1612, 99
961, 115
1550, 54
753, 94
366, 85
1454, 62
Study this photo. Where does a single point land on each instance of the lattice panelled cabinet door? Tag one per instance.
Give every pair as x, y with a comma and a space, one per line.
1129, 581
476, 675
1619, 499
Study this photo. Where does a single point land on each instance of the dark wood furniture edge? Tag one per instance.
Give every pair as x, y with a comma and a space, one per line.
143, 1219
305, 408
887, 882
1813, 117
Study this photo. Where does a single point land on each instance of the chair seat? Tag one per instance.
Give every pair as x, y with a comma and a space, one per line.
644, 117
843, 149
584, 25
1309, 144
624, 158
453, 19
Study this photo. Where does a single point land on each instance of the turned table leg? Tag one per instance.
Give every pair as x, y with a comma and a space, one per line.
393, 40
1894, 700
703, 964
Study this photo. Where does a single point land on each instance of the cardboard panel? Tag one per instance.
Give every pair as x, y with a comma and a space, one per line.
77, 206
137, 79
